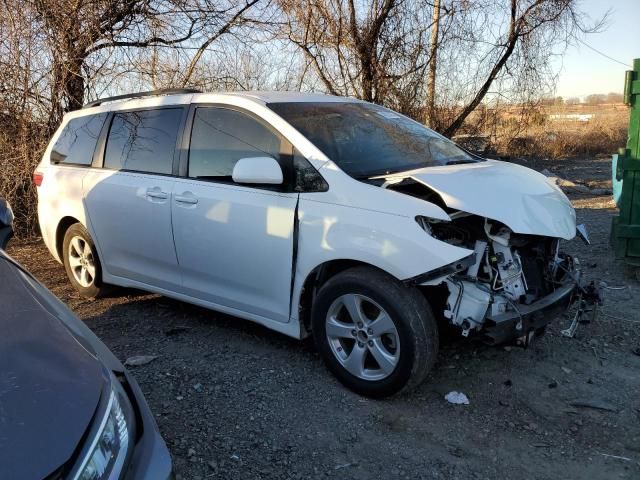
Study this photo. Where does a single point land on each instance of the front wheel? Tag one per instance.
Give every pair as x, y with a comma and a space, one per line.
81, 262
376, 335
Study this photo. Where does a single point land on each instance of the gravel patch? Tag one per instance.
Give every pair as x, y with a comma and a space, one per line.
234, 400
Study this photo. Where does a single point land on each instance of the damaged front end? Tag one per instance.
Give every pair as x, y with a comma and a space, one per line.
517, 280
510, 288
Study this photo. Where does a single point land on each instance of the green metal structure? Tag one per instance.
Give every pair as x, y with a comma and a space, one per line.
625, 231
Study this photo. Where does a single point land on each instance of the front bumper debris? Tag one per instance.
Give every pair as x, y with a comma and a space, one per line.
439, 273
509, 326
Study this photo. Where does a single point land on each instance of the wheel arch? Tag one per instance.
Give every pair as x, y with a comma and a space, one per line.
61, 230
317, 277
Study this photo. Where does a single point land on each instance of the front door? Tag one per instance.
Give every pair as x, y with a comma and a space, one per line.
234, 242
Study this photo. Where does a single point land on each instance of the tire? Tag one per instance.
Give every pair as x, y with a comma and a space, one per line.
408, 349
81, 262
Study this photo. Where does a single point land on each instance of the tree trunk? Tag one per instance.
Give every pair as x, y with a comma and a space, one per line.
67, 89
430, 113
74, 84
512, 40
367, 78
56, 111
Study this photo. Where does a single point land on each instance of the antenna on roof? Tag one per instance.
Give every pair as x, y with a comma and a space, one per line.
152, 93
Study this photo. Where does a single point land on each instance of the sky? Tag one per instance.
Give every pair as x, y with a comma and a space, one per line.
582, 70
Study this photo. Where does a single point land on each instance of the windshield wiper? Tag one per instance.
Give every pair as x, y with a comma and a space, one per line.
363, 177
460, 162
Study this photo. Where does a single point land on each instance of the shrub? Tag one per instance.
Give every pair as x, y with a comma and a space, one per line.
21, 146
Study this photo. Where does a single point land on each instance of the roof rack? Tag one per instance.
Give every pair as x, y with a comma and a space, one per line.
152, 93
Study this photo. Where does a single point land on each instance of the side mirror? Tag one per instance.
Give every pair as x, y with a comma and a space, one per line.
6, 223
257, 170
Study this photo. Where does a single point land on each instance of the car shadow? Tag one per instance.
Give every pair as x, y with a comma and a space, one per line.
157, 319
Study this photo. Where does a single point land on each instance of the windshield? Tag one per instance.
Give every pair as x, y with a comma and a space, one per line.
366, 140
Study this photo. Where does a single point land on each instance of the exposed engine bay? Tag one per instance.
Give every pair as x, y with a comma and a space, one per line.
510, 271
515, 284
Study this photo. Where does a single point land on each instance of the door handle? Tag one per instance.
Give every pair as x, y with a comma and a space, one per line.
159, 194
187, 197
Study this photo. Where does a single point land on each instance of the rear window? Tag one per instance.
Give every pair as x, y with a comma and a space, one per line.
77, 142
143, 141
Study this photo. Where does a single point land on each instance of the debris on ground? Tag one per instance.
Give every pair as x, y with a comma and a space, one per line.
595, 404
617, 457
456, 398
139, 360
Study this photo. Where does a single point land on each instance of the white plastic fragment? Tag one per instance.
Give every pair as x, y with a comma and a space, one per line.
139, 360
457, 398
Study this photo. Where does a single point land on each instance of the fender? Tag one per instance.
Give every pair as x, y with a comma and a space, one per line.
68, 202
393, 243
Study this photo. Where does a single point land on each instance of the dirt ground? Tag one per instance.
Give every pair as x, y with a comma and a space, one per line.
234, 400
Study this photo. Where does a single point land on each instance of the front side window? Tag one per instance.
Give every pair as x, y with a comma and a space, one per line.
143, 141
77, 142
366, 140
220, 137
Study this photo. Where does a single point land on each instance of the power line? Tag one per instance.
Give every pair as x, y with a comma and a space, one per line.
601, 53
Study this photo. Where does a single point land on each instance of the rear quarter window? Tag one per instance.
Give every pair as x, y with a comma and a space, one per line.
78, 139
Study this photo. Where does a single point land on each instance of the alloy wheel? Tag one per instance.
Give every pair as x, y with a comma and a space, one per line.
363, 337
81, 261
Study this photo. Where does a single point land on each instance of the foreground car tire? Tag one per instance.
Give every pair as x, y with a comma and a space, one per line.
376, 335
81, 262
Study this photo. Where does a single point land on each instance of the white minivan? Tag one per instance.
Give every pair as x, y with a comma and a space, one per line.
309, 214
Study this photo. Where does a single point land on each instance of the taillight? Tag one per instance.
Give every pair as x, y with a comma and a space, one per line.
37, 178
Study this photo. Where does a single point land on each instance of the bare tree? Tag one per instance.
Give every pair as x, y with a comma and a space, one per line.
80, 30
493, 56
373, 50
519, 53
379, 50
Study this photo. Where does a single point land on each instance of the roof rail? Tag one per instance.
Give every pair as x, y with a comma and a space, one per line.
152, 93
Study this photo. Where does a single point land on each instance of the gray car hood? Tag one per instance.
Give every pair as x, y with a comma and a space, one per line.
49, 384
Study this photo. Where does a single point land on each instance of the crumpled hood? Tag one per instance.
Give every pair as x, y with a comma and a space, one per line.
517, 196
49, 384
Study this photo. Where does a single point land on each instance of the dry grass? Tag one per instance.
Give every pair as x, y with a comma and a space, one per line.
536, 133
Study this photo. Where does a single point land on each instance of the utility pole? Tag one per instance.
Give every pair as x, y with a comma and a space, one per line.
430, 113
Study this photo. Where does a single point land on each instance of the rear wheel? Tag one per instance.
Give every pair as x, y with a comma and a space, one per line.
81, 262
375, 334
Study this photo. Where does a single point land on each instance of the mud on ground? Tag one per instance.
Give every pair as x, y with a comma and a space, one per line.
234, 400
